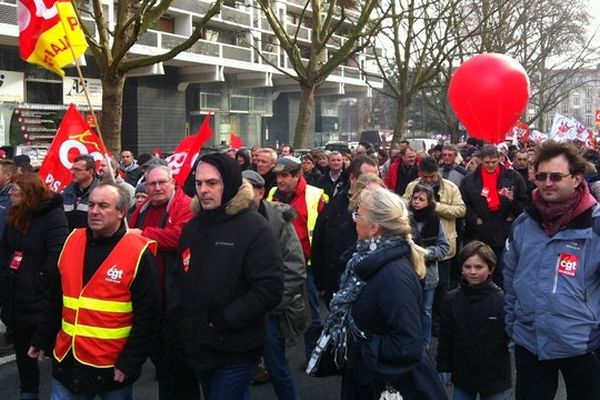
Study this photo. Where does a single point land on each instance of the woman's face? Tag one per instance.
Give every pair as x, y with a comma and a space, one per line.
419, 201
16, 196
364, 228
140, 198
346, 161
475, 270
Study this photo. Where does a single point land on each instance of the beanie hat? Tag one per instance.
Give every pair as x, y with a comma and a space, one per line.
229, 171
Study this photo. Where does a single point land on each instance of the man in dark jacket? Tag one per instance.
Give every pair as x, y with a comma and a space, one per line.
75, 196
130, 168
335, 232
494, 196
100, 345
291, 317
403, 171
227, 278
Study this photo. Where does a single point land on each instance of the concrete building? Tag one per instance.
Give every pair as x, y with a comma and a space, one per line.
223, 74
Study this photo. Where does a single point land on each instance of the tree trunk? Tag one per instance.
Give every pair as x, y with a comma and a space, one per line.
112, 110
400, 121
307, 108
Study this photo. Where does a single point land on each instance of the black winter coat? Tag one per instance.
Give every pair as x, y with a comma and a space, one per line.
334, 233
496, 224
473, 345
389, 307
23, 290
228, 276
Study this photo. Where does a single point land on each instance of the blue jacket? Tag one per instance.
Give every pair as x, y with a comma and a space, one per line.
552, 286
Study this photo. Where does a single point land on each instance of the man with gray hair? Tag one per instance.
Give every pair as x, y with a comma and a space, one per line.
99, 346
162, 218
265, 161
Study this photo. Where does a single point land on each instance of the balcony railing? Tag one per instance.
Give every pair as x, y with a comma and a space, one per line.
194, 6
240, 17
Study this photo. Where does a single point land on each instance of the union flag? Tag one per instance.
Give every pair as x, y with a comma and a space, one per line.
50, 34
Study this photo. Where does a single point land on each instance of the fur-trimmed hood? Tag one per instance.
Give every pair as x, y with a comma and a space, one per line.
243, 199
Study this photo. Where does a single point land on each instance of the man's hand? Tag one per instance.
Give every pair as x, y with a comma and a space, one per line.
135, 231
479, 221
119, 376
34, 352
508, 193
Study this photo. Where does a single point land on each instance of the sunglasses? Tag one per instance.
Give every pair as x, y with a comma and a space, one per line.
554, 176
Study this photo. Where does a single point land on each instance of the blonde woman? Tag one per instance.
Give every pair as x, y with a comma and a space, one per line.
374, 326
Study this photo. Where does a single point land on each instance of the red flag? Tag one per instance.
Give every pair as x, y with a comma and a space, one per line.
187, 151
236, 142
73, 138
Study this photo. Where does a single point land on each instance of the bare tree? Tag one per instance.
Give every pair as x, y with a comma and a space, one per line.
111, 51
313, 63
423, 35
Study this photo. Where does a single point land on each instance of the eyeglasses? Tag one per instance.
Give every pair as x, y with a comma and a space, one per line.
74, 169
357, 217
162, 184
554, 176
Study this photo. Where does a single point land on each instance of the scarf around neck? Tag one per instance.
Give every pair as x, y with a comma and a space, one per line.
490, 188
339, 323
557, 217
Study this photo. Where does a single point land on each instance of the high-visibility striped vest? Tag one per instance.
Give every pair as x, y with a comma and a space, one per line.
97, 317
312, 196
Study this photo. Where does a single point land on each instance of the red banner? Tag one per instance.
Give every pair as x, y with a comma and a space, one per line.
73, 138
187, 151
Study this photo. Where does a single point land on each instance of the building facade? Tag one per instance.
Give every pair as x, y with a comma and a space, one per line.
226, 73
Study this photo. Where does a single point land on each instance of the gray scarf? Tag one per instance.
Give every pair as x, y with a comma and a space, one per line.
339, 322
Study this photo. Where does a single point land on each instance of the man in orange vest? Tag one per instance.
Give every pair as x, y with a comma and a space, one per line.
103, 307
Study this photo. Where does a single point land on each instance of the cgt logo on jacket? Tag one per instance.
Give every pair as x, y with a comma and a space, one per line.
114, 274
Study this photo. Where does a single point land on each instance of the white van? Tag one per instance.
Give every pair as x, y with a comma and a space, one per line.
422, 144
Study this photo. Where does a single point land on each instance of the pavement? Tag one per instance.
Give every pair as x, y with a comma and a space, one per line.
146, 388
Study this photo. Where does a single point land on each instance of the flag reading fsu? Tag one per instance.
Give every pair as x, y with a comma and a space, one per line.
187, 151
48, 29
73, 138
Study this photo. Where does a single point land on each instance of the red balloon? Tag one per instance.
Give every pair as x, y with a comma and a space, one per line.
488, 93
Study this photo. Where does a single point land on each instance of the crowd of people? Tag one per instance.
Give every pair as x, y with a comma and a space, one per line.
364, 256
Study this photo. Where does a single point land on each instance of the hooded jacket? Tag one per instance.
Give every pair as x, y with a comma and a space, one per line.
227, 278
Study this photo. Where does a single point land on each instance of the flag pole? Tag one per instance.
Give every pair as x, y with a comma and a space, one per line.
90, 105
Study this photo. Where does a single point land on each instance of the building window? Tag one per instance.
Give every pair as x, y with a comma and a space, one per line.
167, 24
588, 106
239, 103
588, 120
576, 100
210, 101
564, 107
588, 93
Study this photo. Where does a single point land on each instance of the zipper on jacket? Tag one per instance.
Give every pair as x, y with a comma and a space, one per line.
554, 286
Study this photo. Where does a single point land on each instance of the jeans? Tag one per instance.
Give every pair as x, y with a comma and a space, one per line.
426, 314
538, 380
29, 372
231, 382
460, 394
59, 392
314, 331
282, 377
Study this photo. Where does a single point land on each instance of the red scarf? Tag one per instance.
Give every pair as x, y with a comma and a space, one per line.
490, 188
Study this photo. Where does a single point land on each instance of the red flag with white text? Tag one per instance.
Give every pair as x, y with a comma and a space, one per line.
73, 138
187, 151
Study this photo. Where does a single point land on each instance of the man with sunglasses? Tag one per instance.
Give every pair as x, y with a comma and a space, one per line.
552, 281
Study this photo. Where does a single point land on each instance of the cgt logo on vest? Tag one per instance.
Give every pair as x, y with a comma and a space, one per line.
114, 274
